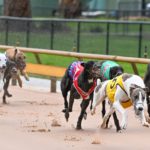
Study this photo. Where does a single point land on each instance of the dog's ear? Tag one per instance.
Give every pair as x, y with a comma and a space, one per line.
132, 87
83, 64
16, 51
146, 89
121, 68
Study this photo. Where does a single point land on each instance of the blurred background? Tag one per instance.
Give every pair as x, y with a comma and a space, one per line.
113, 27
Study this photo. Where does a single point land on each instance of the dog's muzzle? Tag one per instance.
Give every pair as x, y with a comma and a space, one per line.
138, 108
96, 72
3, 68
14, 72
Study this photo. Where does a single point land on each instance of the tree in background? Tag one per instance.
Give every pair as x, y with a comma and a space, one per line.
70, 8
17, 8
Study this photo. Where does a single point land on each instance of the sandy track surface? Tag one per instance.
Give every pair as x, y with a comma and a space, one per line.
33, 120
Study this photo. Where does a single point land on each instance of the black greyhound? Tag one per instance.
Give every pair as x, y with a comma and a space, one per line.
109, 70
147, 84
10, 72
80, 80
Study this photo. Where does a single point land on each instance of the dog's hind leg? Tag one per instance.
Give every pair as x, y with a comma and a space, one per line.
85, 113
103, 108
65, 87
64, 93
6, 93
73, 94
116, 121
84, 105
106, 118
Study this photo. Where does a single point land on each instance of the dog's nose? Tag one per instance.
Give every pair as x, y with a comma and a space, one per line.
140, 108
14, 70
3, 67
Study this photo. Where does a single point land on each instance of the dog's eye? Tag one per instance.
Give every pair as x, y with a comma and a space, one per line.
136, 96
143, 98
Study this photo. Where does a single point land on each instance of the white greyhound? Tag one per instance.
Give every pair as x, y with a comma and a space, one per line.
3, 61
122, 92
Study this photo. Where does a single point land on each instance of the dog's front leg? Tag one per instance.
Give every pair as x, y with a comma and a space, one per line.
19, 80
120, 109
143, 119
98, 97
144, 116
1, 83
24, 73
95, 102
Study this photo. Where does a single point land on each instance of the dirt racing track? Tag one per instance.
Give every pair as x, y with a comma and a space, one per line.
32, 120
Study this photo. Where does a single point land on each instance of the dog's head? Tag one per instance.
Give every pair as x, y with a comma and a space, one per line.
90, 69
108, 69
115, 71
138, 96
3, 61
20, 59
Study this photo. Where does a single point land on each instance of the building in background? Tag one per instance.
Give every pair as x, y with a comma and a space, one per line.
44, 8
48, 8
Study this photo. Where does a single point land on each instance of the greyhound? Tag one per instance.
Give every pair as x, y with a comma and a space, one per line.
122, 92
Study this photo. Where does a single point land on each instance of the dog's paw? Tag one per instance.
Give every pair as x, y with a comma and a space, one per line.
146, 124
93, 111
64, 110
123, 126
20, 84
85, 116
9, 95
119, 131
148, 119
104, 125
27, 78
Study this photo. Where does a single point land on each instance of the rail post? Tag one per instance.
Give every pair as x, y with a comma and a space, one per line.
78, 36
107, 38
51, 35
6, 33
28, 33
140, 39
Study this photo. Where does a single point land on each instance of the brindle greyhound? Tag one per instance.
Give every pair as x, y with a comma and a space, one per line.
79, 78
14, 54
15, 66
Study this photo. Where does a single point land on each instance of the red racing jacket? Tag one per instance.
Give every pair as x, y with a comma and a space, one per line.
83, 94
